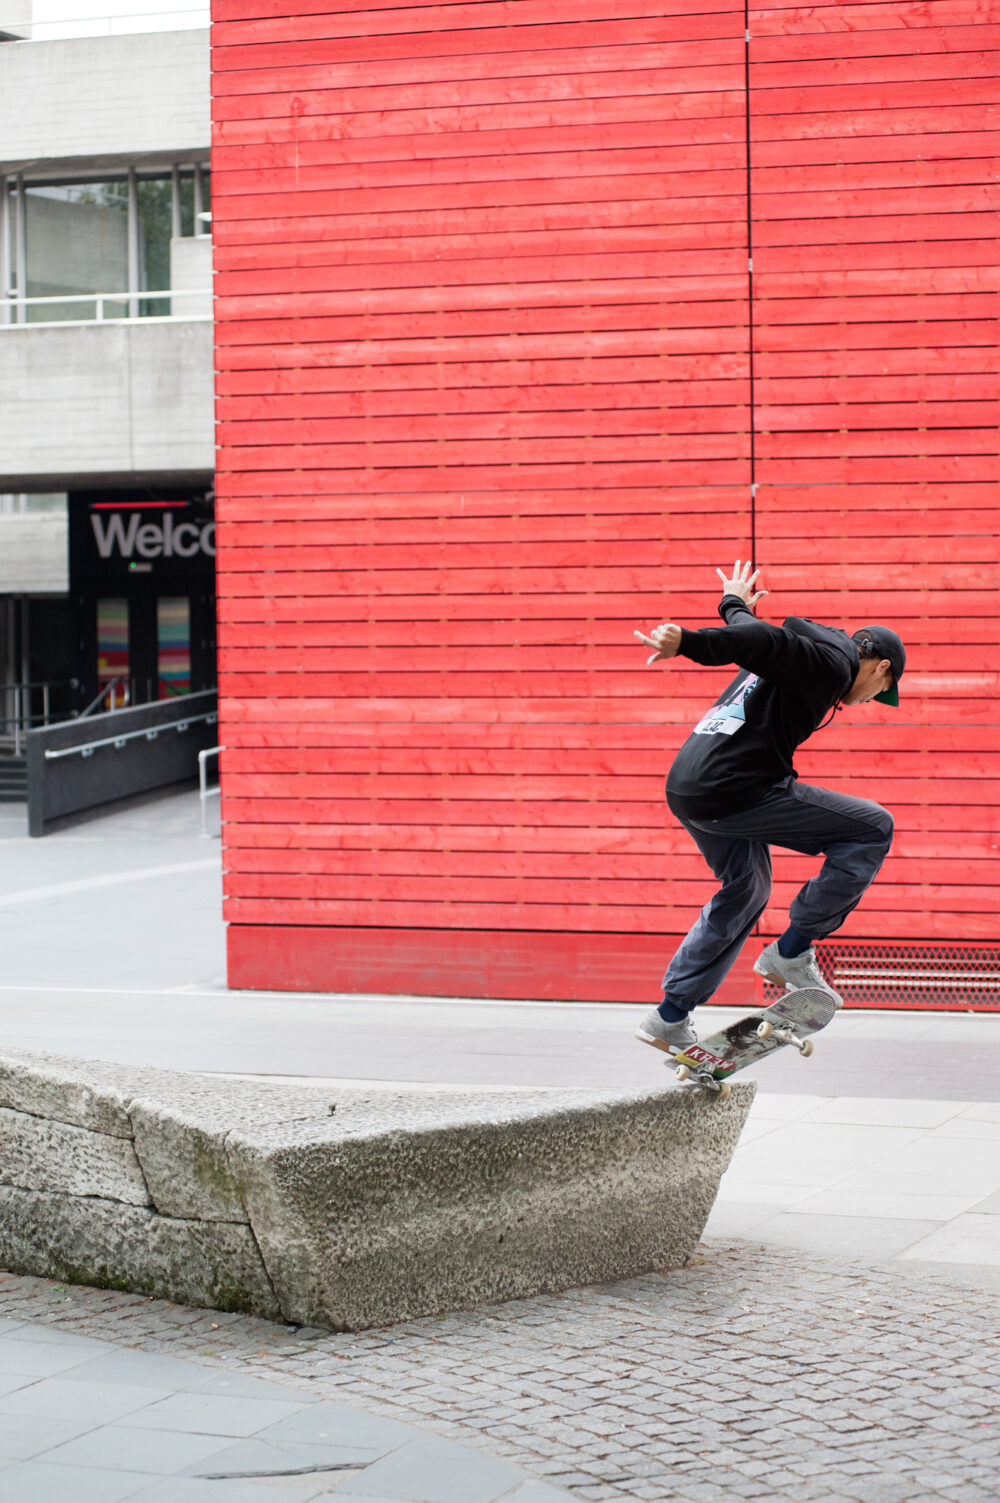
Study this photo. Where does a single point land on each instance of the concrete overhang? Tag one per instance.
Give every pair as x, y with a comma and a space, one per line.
94, 97
114, 403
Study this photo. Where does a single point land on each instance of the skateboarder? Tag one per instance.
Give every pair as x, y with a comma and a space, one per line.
734, 789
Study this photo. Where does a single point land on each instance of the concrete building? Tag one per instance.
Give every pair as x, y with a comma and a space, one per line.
106, 400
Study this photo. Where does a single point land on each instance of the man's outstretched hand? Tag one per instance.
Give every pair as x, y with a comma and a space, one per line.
664, 641
742, 582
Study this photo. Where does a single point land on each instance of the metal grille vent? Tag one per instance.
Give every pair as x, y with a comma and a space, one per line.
936, 977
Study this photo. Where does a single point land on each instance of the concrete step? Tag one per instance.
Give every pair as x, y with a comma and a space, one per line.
13, 780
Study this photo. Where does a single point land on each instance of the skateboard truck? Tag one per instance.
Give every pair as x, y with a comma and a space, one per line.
786, 1036
721, 1088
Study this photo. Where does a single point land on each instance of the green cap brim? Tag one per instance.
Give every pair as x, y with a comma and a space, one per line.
889, 696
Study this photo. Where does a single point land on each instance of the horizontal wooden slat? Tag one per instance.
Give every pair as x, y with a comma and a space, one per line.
930, 923
510, 423
847, 44
956, 85
303, 289
794, 20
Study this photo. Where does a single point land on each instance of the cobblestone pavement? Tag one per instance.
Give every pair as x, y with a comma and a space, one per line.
753, 1373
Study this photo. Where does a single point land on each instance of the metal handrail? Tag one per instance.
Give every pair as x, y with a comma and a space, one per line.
22, 719
40, 30
105, 691
88, 747
204, 792
99, 299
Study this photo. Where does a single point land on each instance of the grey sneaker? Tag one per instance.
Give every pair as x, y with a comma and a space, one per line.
672, 1038
793, 974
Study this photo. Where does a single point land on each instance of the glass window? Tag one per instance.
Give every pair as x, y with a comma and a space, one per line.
8, 251
12, 502
154, 204
173, 640
77, 242
186, 188
49, 501
112, 651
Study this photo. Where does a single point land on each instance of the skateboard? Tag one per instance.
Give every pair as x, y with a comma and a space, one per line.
790, 1020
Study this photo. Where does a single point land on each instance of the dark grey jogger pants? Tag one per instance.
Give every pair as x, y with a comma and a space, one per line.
854, 834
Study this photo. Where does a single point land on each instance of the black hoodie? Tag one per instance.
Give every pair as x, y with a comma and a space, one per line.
792, 677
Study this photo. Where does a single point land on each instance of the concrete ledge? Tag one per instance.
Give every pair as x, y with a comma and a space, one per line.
352, 1208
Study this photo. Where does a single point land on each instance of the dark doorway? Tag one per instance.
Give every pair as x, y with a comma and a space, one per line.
142, 579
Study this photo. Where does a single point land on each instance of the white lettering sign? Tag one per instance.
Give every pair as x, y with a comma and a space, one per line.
150, 539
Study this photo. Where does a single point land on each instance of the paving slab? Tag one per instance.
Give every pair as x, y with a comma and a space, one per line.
337, 1424
156, 1452
38, 1482
23, 1437
876, 1237
273, 1459
27, 1359
139, 1369
209, 1414
969, 1238
191, 1490
90, 1404
430, 1470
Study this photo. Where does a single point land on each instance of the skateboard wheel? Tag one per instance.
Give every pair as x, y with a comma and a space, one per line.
725, 1090
764, 1029
806, 1048
683, 1072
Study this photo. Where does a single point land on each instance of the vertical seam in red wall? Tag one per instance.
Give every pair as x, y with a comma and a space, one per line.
752, 398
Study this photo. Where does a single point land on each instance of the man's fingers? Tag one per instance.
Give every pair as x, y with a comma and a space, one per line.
647, 640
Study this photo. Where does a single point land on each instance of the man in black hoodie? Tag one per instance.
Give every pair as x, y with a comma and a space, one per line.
734, 789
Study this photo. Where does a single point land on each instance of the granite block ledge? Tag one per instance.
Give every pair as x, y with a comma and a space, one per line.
353, 1208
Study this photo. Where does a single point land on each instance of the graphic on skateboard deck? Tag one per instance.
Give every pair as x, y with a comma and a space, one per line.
790, 1020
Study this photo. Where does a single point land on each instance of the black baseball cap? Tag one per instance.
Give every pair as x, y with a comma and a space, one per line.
886, 645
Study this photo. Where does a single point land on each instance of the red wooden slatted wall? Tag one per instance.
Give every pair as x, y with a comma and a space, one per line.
874, 191
484, 380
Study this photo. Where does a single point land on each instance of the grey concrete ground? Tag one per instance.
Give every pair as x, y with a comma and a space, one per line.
85, 1419
835, 1338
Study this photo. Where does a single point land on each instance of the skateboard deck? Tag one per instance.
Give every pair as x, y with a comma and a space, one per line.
790, 1020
